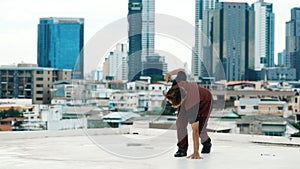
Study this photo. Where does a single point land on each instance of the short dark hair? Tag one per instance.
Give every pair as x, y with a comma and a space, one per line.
176, 95
181, 76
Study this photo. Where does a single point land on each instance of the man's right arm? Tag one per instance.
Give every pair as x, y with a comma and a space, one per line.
195, 128
167, 76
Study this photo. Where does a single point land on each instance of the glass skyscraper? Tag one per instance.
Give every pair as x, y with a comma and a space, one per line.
148, 23
134, 39
141, 33
232, 26
293, 41
264, 35
198, 67
60, 44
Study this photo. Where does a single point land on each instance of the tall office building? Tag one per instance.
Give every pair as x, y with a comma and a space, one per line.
293, 41
134, 39
264, 35
148, 28
201, 6
60, 44
232, 35
117, 63
141, 18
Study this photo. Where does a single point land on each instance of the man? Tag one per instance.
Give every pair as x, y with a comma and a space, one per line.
194, 105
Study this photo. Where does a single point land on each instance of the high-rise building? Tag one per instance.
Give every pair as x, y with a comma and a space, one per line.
60, 44
281, 59
264, 35
134, 39
198, 67
293, 41
105, 69
117, 63
141, 18
28, 81
148, 28
232, 36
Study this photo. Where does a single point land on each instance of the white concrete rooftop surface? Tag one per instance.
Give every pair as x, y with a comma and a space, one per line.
140, 149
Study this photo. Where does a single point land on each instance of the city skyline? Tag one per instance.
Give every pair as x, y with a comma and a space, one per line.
18, 32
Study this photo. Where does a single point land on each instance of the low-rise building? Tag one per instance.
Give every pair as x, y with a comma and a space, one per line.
223, 121
265, 125
254, 106
138, 85
80, 93
60, 117
7, 123
115, 119
279, 73
28, 81
150, 100
124, 100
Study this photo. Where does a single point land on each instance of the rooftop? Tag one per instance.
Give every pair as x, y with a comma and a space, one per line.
9, 119
130, 148
262, 118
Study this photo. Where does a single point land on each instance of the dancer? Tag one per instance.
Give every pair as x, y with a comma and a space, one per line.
194, 105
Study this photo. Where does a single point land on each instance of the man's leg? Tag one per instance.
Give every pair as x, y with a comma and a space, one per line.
182, 134
204, 113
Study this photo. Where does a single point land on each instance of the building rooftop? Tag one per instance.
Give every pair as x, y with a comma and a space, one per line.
262, 118
119, 116
78, 109
129, 148
30, 68
9, 119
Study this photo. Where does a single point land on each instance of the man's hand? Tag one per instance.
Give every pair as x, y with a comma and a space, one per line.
195, 156
167, 77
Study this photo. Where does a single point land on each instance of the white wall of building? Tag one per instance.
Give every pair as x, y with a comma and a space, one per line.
67, 124
125, 100
260, 34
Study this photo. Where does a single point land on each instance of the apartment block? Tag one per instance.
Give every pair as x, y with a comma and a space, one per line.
28, 81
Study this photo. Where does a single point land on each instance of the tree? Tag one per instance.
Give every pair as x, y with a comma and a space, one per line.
11, 112
297, 126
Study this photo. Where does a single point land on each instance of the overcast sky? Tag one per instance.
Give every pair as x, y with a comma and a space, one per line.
19, 20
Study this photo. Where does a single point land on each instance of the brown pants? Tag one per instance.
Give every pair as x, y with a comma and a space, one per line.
197, 113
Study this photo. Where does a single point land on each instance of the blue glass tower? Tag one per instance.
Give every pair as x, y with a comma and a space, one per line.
60, 44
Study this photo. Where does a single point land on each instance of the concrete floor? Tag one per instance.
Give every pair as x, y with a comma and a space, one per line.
146, 149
